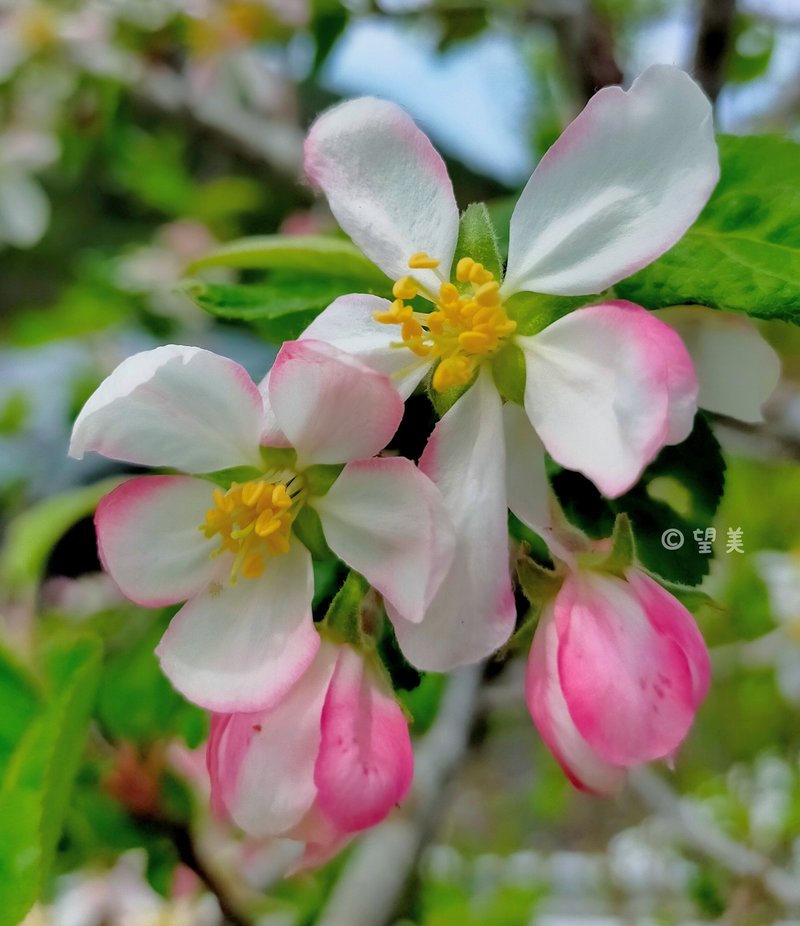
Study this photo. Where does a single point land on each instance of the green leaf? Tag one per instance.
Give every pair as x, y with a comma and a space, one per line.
34, 792
743, 253
680, 491
264, 301
33, 534
316, 254
21, 699
477, 239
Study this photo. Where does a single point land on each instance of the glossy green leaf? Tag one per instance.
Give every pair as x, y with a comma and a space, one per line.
315, 254
743, 253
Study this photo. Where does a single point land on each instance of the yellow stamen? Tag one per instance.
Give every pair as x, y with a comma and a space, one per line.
422, 261
252, 521
465, 327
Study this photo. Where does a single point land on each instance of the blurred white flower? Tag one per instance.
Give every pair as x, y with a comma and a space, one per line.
781, 574
24, 207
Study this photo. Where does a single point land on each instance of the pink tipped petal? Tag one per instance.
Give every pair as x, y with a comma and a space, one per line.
173, 406
149, 538
549, 712
621, 185
348, 324
386, 185
262, 764
606, 388
331, 407
526, 478
365, 763
628, 685
388, 521
241, 647
473, 612
736, 368
672, 620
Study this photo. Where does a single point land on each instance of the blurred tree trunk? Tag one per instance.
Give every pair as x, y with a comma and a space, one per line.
714, 39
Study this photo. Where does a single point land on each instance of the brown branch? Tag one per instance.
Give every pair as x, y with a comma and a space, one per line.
714, 40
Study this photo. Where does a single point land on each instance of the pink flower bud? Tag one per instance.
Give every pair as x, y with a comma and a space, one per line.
332, 758
616, 673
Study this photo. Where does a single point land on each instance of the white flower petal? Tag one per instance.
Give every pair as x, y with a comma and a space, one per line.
174, 406
526, 479
621, 185
386, 185
736, 368
388, 521
241, 647
473, 613
24, 210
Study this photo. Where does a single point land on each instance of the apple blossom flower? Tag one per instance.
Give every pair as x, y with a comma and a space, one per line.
246, 635
615, 675
330, 759
606, 387
737, 370
24, 207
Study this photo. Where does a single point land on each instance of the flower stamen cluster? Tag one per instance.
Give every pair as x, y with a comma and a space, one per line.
253, 521
465, 327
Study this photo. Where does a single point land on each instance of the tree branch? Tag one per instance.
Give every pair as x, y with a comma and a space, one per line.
697, 830
714, 39
371, 886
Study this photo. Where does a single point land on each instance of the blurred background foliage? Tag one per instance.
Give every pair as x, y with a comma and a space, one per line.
135, 135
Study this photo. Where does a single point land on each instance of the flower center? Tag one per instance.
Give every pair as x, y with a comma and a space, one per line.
467, 325
253, 521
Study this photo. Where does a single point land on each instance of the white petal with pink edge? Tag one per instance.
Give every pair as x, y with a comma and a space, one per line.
621, 185
473, 612
386, 185
736, 368
365, 763
606, 387
173, 406
149, 538
388, 521
348, 324
331, 407
262, 764
241, 647
549, 712
627, 684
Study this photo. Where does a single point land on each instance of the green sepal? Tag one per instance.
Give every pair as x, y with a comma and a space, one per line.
508, 370
321, 477
278, 457
533, 312
622, 554
538, 583
226, 477
477, 239
308, 528
343, 619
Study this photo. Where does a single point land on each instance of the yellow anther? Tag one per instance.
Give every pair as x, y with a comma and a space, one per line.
474, 342
252, 521
468, 324
464, 268
405, 288
267, 523
448, 294
479, 275
452, 371
422, 261
252, 492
